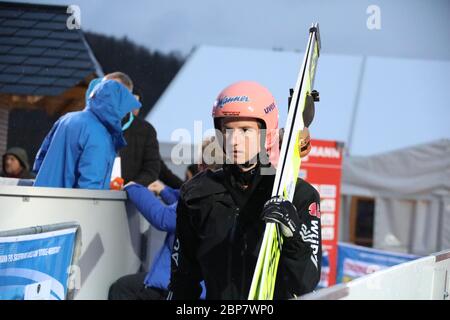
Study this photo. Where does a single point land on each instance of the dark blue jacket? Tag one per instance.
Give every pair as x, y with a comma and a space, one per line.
79, 150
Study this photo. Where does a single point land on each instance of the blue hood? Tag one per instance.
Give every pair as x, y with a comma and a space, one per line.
91, 87
110, 101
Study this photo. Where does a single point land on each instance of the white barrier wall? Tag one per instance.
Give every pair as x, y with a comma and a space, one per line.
111, 236
426, 278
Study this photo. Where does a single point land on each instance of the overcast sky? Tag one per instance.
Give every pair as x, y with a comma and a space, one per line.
409, 28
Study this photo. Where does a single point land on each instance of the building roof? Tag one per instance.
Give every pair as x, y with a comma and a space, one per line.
40, 57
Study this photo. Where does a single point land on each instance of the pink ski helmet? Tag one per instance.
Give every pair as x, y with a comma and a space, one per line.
248, 99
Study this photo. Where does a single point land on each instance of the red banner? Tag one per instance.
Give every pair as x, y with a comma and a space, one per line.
322, 168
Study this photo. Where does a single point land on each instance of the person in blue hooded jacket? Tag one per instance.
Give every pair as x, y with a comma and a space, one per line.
80, 149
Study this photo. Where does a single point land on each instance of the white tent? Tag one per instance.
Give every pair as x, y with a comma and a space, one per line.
411, 188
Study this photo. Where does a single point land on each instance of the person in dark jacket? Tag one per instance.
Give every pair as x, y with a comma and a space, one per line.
140, 159
221, 215
15, 164
80, 149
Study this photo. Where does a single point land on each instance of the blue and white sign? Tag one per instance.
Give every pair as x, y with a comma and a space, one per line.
356, 261
36, 266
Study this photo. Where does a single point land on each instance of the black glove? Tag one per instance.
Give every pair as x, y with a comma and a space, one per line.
285, 214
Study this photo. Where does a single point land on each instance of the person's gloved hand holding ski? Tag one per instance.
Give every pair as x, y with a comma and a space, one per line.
285, 214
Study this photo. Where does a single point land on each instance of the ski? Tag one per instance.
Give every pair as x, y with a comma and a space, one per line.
263, 282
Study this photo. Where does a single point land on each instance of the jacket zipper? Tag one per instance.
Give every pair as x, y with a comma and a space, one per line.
230, 247
244, 275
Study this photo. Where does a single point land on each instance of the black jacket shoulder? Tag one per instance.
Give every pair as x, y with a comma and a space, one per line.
305, 193
203, 184
143, 124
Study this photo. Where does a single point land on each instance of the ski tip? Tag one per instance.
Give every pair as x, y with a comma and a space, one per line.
315, 28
